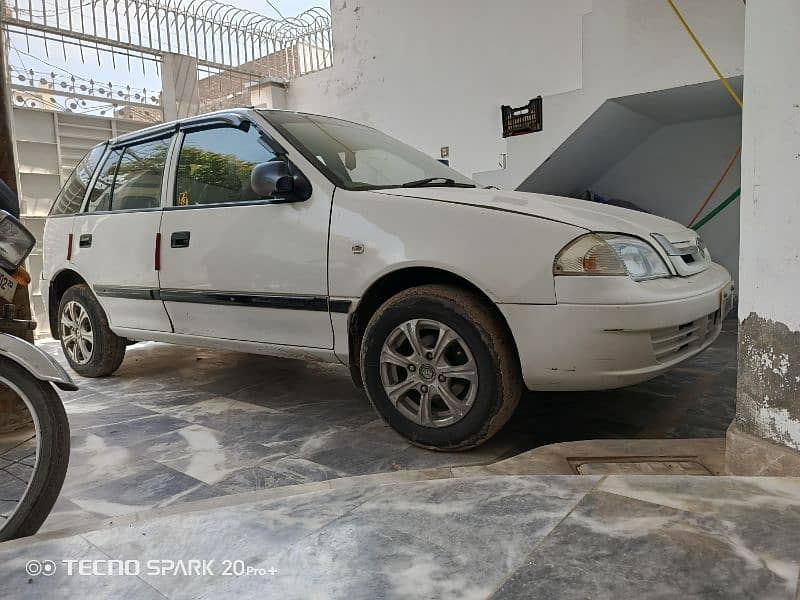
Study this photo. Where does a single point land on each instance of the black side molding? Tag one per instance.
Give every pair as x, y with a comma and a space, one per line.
133, 293
308, 303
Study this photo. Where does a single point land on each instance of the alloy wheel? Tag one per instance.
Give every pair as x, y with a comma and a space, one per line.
76, 333
428, 373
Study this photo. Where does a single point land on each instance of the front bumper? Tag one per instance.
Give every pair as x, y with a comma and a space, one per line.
574, 345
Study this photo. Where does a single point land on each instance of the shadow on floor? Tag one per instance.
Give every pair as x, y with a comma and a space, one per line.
696, 399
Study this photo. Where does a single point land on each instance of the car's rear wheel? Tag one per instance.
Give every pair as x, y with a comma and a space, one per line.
91, 348
440, 367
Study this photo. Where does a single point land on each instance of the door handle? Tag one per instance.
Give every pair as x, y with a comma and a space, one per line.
85, 241
179, 239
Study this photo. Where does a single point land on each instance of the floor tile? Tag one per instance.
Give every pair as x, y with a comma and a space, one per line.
611, 546
153, 486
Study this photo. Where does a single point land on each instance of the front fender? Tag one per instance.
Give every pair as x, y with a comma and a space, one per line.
508, 255
40, 364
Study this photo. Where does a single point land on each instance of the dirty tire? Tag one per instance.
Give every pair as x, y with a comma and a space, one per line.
108, 348
479, 325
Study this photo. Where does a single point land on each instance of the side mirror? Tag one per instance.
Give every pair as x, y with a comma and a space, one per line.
281, 180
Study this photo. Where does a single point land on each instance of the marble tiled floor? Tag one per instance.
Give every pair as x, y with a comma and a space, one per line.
177, 424
473, 537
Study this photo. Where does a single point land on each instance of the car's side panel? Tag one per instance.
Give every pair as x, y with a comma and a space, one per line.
279, 350
55, 245
55, 253
253, 273
341, 337
507, 255
119, 264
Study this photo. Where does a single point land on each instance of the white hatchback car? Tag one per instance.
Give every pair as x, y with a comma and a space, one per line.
310, 237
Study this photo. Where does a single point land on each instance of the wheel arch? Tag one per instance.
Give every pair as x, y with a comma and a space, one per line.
394, 282
60, 283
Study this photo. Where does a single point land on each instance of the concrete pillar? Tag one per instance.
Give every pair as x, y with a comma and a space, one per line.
269, 94
765, 436
180, 94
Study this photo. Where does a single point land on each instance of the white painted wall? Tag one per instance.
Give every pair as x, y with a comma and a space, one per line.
631, 47
672, 171
435, 73
770, 227
768, 391
601, 141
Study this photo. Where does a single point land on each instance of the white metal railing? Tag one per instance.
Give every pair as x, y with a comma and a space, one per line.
52, 90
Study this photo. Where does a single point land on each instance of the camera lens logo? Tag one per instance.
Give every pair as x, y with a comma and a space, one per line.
34, 568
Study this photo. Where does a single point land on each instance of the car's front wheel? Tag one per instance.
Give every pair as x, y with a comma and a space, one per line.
440, 368
91, 348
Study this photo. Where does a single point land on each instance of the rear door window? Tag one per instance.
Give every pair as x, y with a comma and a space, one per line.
139, 176
71, 196
130, 178
100, 196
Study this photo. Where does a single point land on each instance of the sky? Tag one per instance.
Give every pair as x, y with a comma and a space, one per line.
288, 8
24, 56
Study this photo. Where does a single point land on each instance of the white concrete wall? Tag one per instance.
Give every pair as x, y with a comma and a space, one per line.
768, 391
771, 165
609, 135
631, 47
435, 73
672, 171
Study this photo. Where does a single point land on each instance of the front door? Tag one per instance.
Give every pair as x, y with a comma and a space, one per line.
114, 237
234, 265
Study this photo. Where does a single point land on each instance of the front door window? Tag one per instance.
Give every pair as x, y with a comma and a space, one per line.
215, 164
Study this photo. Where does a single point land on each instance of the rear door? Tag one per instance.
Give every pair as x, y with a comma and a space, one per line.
57, 239
115, 236
235, 265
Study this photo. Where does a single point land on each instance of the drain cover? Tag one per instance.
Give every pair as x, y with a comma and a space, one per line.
606, 466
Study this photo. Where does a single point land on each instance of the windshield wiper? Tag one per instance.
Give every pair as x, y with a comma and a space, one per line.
436, 182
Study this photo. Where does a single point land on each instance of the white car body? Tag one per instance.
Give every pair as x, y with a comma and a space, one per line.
285, 279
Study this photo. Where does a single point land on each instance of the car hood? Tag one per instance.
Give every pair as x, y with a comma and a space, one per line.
591, 216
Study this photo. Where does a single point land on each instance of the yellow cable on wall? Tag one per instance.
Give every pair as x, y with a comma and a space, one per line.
724, 81
738, 101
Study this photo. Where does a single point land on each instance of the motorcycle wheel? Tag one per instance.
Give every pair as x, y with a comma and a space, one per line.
39, 462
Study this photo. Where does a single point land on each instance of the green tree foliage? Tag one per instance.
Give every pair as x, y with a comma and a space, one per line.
213, 168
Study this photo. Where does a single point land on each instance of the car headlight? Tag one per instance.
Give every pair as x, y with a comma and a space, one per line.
16, 242
610, 254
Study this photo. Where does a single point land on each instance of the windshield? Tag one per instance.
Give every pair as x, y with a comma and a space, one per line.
357, 157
